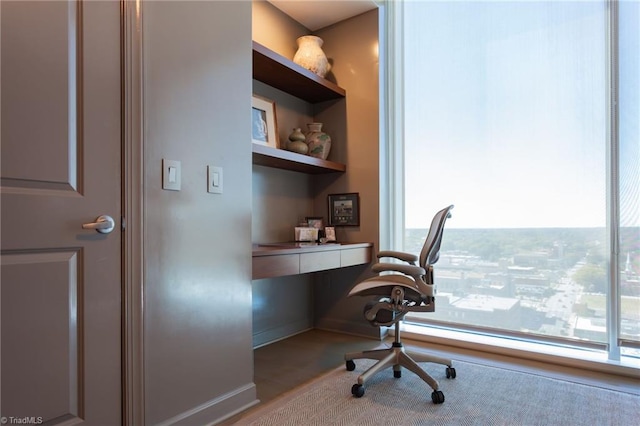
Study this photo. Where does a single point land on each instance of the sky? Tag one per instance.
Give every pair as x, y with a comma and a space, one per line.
505, 114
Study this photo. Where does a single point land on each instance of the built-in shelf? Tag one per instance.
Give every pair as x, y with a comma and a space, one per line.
277, 71
281, 159
283, 74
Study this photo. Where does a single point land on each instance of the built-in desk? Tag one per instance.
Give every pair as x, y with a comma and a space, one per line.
281, 259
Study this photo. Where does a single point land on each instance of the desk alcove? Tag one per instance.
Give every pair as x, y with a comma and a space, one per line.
297, 288
293, 285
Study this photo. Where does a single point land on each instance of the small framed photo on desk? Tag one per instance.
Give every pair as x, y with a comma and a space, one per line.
305, 234
314, 222
330, 234
344, 209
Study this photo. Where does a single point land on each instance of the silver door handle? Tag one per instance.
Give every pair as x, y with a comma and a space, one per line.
104, 224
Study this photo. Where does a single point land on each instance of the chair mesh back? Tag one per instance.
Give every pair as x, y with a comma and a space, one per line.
431, 250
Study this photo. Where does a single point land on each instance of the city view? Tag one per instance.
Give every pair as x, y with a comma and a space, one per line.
550, 282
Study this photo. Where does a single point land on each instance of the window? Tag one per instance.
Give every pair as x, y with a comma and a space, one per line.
508, 113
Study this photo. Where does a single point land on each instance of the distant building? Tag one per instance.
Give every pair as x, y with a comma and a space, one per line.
491, 311
536, 285
495, 284
538, 259
594, 329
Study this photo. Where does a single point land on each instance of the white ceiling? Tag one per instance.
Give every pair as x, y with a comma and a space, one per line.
316, 14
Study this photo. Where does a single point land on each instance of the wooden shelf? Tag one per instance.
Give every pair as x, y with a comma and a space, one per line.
283, 74
281, 159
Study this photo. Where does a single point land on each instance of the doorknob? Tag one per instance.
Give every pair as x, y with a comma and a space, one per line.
104, 224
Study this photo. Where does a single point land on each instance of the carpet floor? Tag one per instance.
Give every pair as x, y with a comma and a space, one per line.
479, 395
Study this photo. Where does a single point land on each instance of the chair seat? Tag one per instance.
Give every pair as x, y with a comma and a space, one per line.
382, 285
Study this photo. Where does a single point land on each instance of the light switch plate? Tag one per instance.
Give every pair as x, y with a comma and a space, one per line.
214, 180
171, 175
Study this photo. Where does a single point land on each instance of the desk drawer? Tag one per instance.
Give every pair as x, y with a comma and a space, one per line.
311, 262
356, 256
275, 266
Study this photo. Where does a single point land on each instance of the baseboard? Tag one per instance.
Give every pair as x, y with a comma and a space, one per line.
274, 334
363, 329
217, 409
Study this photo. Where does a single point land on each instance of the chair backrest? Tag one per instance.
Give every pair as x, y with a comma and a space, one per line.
431, 249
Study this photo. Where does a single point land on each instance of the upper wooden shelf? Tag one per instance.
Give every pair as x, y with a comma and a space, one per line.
283, 74
281, 159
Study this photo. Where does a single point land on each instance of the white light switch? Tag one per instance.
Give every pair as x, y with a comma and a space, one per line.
214, 180
171, 175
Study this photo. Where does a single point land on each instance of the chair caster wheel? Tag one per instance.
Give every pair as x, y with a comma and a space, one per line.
437, 397
397, 374
451, 373
358, 390
351, 365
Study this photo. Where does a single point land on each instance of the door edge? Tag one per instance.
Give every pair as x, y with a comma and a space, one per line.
133, 392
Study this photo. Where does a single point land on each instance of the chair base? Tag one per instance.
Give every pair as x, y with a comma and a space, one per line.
397, 357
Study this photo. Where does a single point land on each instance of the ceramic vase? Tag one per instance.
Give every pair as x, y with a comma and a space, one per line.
319, 142
297, 142
311, 56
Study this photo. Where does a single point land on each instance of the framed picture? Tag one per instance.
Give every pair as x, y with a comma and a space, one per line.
314, 222
344, 209
264, 129
330, 234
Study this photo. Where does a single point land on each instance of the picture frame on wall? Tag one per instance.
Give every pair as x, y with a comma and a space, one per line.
344, 209
264, 130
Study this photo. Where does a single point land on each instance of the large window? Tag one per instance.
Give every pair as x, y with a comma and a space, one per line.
524, 115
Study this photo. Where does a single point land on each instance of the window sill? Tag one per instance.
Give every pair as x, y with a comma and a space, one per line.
552, 354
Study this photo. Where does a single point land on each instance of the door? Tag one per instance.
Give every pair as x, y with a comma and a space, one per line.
60, 287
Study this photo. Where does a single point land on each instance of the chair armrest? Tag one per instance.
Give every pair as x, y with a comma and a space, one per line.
412, 270
406, 257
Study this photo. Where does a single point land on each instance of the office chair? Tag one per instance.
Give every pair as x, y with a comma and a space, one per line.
407, 288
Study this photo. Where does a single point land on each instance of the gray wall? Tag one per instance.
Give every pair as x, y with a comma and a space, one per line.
197, 284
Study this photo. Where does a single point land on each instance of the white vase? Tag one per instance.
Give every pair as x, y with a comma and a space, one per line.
311, 56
